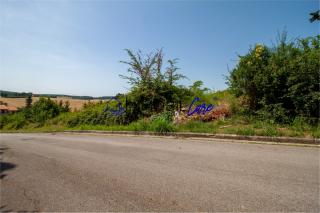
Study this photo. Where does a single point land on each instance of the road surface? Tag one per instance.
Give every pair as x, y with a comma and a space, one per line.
74, 172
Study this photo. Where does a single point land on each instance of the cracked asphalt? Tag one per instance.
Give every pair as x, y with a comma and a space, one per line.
78, 172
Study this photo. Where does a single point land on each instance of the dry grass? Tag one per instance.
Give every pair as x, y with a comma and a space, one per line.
75, 104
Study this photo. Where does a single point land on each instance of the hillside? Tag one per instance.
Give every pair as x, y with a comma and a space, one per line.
10, 94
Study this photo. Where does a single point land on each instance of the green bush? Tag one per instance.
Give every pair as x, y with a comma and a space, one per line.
38, 113
280, 82
95, 114
44, 109
14, 121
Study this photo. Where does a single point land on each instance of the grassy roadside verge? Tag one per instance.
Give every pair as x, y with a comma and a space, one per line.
238, 125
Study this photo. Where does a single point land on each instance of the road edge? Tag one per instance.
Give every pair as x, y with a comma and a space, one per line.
284, 140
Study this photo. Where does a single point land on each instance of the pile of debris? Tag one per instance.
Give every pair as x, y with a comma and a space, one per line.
218, 112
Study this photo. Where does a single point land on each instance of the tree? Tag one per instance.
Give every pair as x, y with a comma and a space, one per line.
44, 109
28, 101
153, 89
197, 90
141, 67
281, 82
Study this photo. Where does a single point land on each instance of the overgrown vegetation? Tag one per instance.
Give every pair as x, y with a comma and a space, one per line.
37, 114
281, 82
154, 89
274, 91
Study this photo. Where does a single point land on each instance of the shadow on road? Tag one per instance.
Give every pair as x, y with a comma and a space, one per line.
2, 149
3, 209
4, 166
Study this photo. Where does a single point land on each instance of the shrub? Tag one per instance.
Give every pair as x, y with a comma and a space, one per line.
44, 109
280, 82
95, 114
38, 113
14, 121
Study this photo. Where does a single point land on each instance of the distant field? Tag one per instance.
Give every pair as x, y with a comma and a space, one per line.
20, 102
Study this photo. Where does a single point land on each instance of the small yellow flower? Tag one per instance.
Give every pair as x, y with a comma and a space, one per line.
258, 50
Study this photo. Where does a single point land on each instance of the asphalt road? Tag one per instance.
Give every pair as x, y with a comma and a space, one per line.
64, 172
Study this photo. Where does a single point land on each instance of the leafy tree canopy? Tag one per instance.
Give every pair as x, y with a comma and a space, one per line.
281, 81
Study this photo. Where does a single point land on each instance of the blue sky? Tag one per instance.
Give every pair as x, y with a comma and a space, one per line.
74, 47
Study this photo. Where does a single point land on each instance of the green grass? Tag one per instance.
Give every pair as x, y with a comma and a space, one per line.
197, 126
239, 125
246, 131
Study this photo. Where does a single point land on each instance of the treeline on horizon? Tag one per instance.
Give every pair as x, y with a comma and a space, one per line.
10, 94
274, 85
